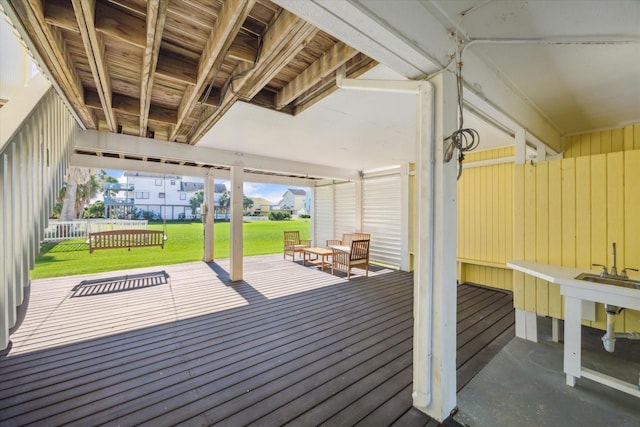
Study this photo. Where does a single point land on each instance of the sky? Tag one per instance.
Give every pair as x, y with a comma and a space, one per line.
271, 192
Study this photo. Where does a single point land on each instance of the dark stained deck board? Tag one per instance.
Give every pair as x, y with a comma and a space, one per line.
287, 344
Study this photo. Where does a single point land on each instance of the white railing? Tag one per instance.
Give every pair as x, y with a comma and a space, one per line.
35, 150
58, 231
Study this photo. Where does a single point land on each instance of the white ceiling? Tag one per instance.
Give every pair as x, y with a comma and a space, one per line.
551, 89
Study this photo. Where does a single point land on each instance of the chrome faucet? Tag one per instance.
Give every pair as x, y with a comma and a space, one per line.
614, 270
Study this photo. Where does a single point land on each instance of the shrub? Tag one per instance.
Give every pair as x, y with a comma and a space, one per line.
305, 216
279, 215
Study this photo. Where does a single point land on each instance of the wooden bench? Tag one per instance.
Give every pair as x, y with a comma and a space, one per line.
118, 239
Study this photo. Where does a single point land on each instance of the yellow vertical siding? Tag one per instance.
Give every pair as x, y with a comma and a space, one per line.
603, 142
569, 212
485, 220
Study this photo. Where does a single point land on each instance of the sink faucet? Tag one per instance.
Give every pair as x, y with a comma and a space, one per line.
614, 270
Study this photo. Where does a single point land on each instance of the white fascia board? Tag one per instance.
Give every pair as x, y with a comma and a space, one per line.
353, 22
95, 162
92, 140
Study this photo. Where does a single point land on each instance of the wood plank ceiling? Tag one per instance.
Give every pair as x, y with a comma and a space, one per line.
170, 69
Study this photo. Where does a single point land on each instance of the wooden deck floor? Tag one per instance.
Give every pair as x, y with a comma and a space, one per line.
289, 344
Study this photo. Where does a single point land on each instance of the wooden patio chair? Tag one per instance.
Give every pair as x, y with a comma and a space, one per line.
356, 256
347, 238
293, 244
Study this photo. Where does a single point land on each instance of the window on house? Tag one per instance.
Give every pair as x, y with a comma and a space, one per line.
183, 196
161, 195
172, 182
142, 194
158, 182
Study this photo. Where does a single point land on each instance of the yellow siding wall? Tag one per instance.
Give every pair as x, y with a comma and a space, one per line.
568, 212
485, 220
608, 141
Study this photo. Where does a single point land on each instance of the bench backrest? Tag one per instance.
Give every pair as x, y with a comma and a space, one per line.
347, 238
115, 239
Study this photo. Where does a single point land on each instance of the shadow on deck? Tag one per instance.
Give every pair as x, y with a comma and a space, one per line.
289, 344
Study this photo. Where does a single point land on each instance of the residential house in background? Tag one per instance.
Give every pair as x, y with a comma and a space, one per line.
293, 200
261, 206
156, 196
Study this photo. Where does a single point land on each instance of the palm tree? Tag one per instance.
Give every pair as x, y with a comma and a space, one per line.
75, 176
225, 200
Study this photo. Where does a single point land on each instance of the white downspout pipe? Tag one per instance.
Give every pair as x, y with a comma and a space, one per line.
423, 316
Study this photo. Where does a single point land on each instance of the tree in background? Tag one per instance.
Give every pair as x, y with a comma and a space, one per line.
96, 210
105, 178
70, 200
247, 204
82, 185
225, 203
196, 201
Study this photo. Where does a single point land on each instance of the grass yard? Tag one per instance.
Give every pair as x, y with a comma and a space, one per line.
184, 244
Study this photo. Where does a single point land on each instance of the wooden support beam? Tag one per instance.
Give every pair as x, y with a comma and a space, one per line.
213, 99
361, 64
176, 67
230, 20
126, 104
55, 56
131, 106
85, 11
59, 14
118, 24
92, 100
328, 63
287, 36
244, 48
285, 39
162, 115
156, 15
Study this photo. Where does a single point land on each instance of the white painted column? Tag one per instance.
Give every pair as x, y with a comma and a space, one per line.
434, 350
405, 217
526, 321
208, 215
358, 206
235, 235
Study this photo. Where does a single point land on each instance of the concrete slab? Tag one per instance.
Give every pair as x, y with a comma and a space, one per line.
524, 386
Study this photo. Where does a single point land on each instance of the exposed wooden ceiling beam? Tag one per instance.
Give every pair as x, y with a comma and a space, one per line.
338, 55
283, 41
55, 56
156, 15
228, 24
85, 11
359, 65
244, 48
213, 99
287, 36
121, 25
176, 67
59, 14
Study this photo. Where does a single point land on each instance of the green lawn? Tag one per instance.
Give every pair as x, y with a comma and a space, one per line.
184, 244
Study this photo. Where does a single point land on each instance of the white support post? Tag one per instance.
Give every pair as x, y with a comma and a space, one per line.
358, 205
208, 216
434, 363
237, 183
405, 217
